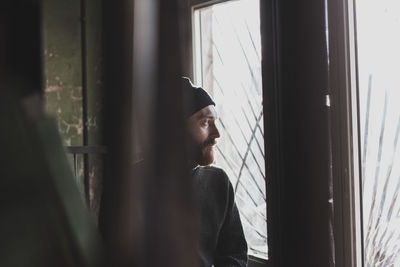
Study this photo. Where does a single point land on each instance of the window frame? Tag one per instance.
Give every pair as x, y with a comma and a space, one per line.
343, 130
269, 64
345, 133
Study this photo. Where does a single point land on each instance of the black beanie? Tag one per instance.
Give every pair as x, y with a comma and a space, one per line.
196, 98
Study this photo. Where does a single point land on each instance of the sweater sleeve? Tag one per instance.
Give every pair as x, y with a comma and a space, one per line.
232, 246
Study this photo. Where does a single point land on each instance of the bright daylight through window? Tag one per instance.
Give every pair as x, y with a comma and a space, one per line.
227, 57
378, 41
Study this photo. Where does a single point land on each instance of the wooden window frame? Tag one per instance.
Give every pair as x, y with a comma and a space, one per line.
345, 134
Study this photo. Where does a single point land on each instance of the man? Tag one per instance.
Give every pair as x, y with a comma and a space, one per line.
222, 242
221, 239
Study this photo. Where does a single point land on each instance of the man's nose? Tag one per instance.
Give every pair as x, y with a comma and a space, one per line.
215, 133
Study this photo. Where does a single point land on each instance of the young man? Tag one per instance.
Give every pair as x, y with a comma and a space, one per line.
222, 242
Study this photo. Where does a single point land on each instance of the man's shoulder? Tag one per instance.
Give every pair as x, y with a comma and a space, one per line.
211, 175
211, 170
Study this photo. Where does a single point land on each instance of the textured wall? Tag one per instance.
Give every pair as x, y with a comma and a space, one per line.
63, 67
72, 53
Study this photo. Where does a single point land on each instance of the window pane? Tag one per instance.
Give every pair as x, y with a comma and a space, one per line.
378, 38
228, 65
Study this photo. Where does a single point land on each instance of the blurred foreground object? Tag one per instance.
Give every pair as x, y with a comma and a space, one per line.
44, 219
146, 218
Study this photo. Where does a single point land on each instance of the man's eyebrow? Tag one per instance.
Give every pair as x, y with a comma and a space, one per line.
210, 116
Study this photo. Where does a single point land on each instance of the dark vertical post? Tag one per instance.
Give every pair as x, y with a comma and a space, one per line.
95, 98
86, 184
115, 220
272, 105
305, 181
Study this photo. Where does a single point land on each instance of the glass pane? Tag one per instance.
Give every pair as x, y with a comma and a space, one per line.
228, 65
378, 38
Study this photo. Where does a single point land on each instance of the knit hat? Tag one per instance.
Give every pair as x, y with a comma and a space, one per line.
196, 98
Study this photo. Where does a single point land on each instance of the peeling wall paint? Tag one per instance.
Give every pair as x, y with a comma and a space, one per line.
62, 67
63, 74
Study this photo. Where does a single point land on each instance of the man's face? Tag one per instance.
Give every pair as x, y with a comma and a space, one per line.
202, 135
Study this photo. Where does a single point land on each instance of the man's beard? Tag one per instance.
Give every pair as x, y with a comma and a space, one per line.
205, 154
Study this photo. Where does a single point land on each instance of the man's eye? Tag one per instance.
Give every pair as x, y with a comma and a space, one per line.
205, 122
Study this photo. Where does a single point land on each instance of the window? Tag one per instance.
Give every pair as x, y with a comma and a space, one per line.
227, 63
373, 90
378, 24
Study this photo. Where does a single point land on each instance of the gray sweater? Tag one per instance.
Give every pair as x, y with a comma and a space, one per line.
222, 241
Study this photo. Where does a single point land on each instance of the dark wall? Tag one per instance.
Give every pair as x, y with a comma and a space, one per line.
20, 61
